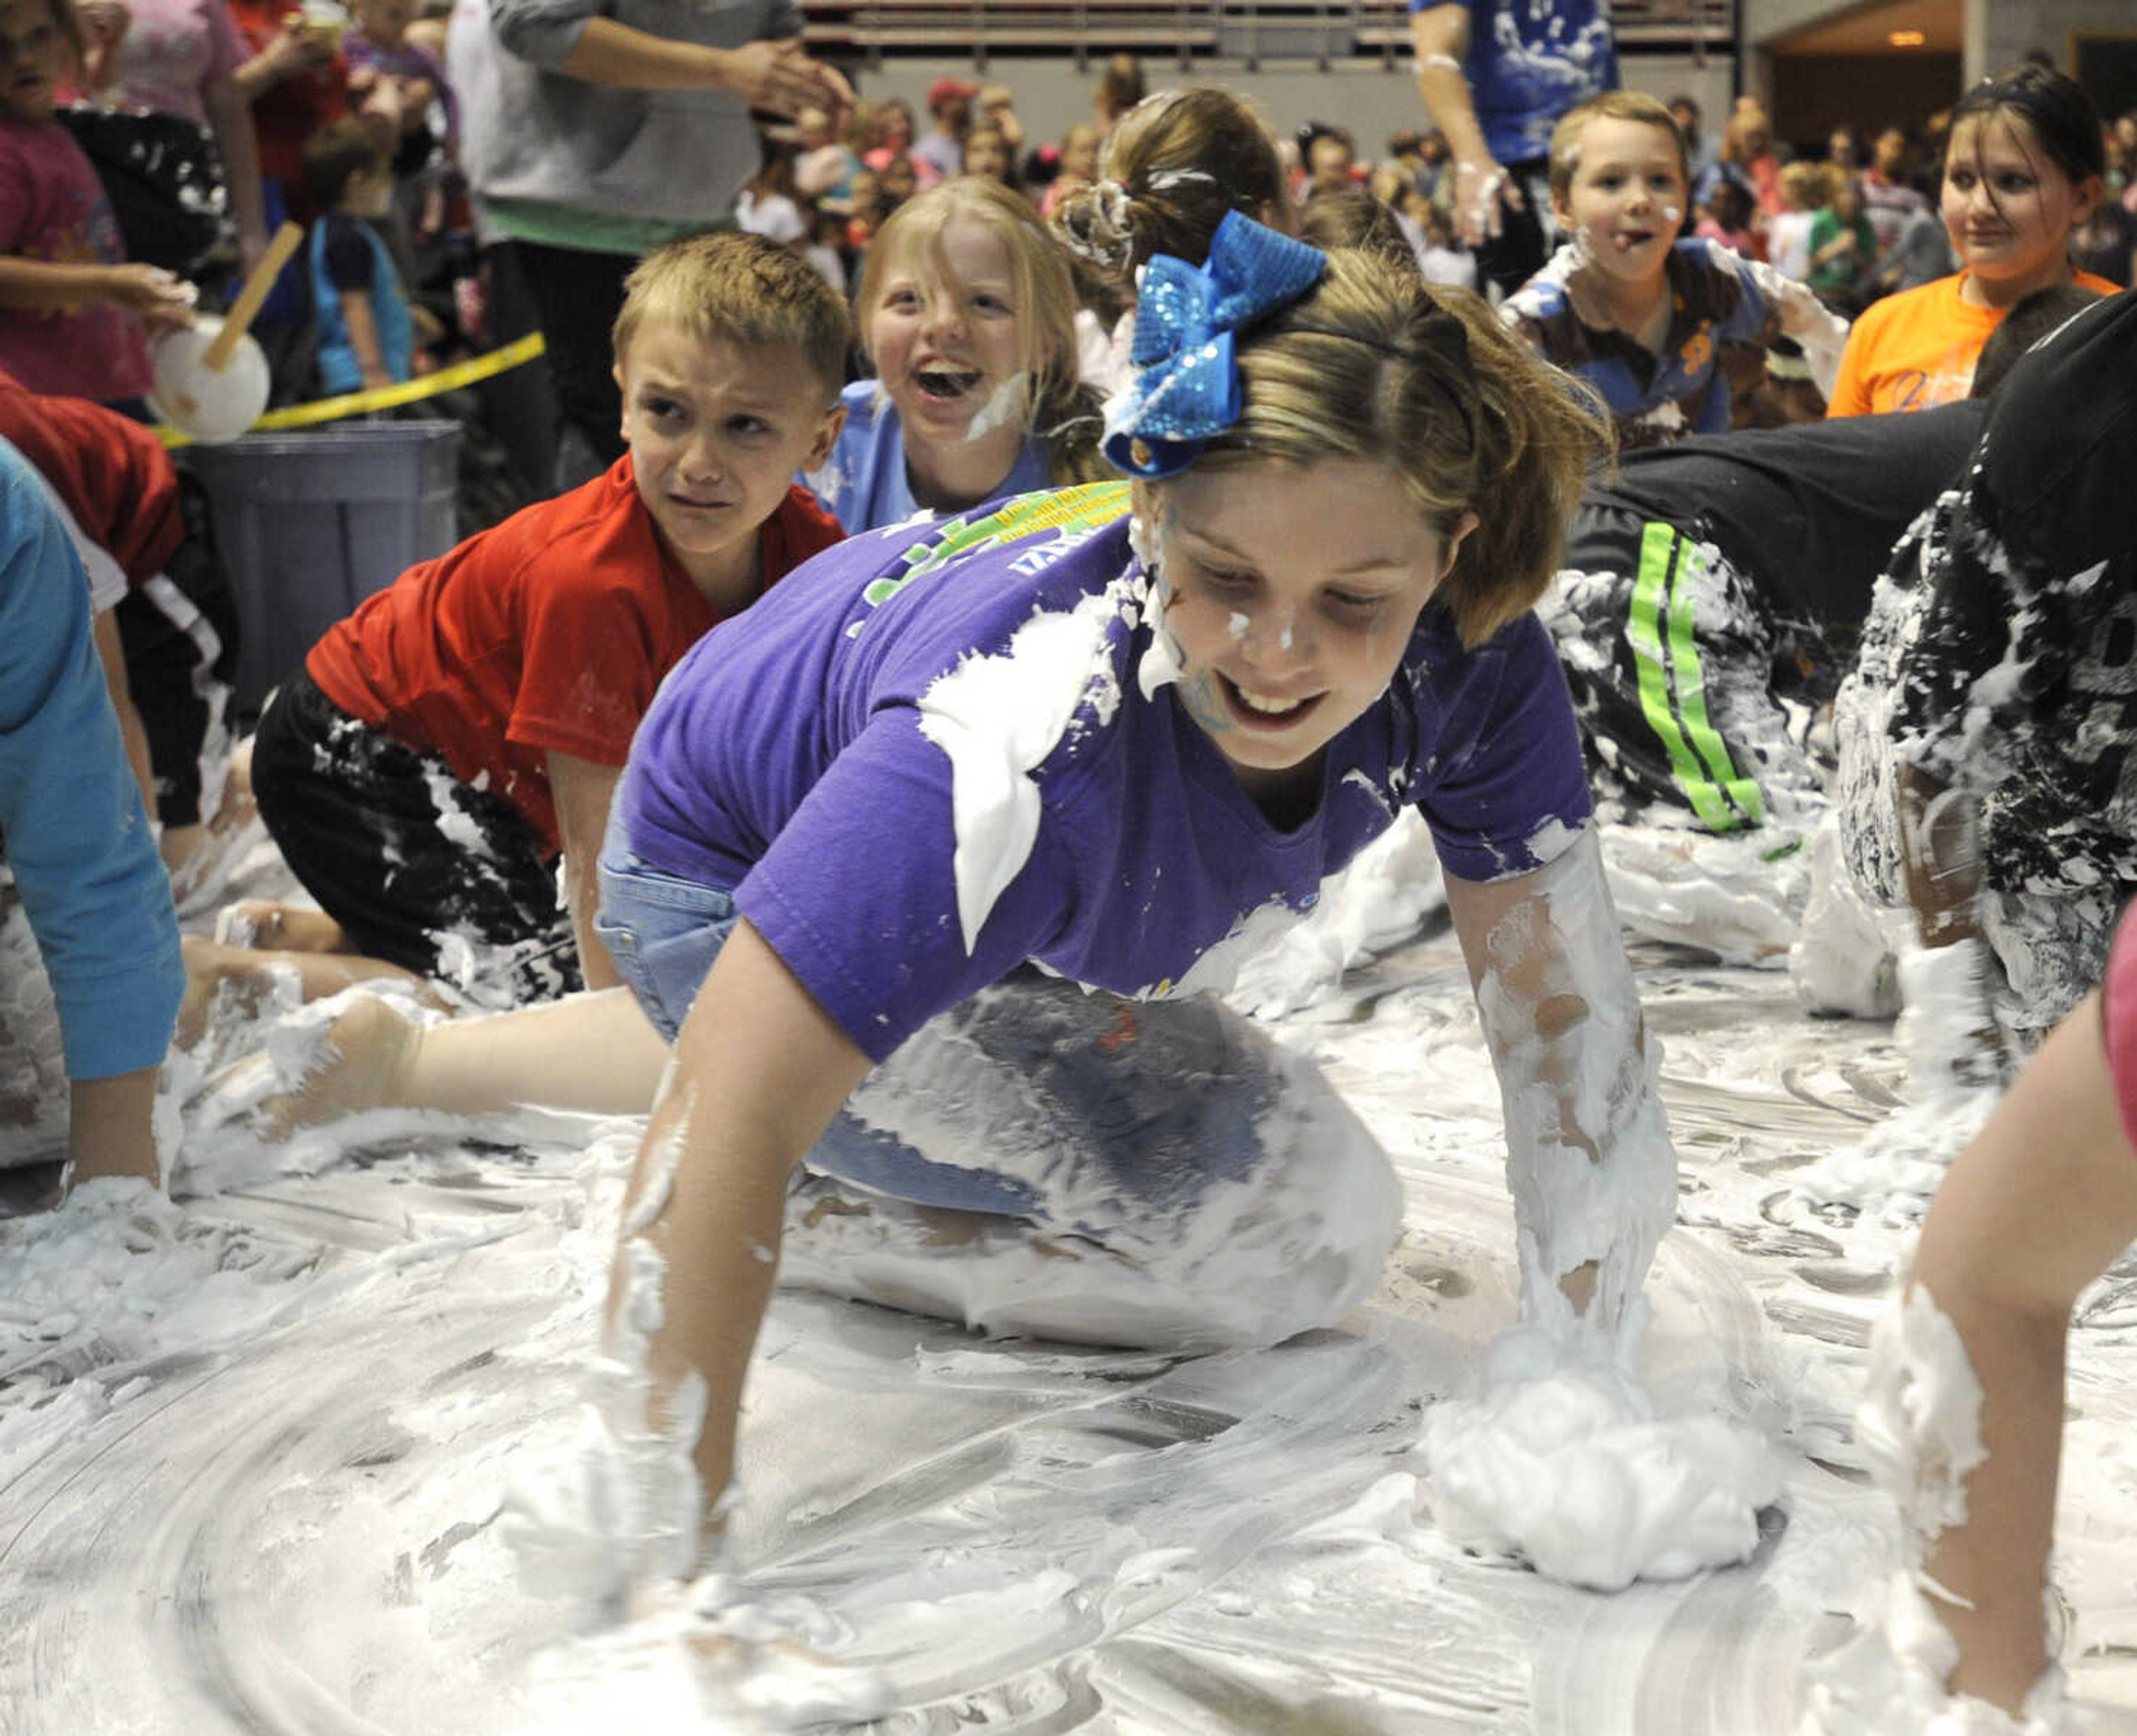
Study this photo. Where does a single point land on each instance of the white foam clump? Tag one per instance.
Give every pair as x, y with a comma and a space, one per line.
1920, 1428
1721, 894
1896, 1167
1378, 899
1563, 1463
1846, 957
997, 717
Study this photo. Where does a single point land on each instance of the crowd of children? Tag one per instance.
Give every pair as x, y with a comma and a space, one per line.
996, 763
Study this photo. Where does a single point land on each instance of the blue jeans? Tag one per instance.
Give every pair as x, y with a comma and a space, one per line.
1035, 1098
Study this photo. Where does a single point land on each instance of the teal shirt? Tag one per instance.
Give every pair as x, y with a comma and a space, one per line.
78, 838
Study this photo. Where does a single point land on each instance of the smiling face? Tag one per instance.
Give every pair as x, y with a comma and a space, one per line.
1627, 199
945, 331
36, 49
1293, 593
2008, 209
716, 431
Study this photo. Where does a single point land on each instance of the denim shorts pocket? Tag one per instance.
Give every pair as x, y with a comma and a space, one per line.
663, 933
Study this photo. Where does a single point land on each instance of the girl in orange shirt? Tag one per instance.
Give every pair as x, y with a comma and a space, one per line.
2021, 171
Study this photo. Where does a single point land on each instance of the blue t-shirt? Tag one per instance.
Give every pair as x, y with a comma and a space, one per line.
1715, 298
96, 891
807, 756
862, 483
1529, 61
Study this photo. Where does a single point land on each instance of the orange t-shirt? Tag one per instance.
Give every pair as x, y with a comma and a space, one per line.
1917, 350
546, 634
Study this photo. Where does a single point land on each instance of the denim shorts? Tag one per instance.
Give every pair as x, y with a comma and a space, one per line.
663, 932
1037, 1098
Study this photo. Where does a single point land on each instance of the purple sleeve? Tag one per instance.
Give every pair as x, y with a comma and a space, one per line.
858, 896
1517, 784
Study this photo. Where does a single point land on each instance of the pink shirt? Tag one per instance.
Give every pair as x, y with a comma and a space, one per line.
2118, 1021
172, 49
52, 207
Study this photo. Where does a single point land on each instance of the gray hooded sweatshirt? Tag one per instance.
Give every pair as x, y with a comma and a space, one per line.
531, 134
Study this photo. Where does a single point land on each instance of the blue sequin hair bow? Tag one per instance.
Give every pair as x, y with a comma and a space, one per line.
1186, 388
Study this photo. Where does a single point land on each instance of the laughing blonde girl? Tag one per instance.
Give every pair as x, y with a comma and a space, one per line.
968, 313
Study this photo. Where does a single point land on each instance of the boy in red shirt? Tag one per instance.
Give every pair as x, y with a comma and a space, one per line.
449, 739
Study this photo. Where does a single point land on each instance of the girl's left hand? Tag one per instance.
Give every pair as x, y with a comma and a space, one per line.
162, 299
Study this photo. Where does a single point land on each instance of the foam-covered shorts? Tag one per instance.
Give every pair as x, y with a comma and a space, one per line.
1037, 1098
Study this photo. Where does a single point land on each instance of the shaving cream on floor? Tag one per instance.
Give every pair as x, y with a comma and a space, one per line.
1563, 1463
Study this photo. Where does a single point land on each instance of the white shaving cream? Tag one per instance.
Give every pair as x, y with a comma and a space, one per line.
1008, 405
997, 717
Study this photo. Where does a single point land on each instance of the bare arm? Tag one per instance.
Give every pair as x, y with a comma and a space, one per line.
766, 75
2034, 1209
40, 286
760, 1069
111, 1129
111, 653
363, 337
296, 50
582, 790
1589, 1159
230, 120
1440, 35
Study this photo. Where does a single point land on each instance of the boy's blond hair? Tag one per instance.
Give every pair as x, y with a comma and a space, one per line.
740, 288
1809, 184
1634, 105
1374, 363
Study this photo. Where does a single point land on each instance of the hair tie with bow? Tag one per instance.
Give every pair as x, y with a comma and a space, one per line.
1186, 388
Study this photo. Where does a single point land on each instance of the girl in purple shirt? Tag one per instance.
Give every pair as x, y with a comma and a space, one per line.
923, 863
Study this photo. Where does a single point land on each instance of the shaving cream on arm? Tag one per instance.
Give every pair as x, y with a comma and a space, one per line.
1562, 1460
1920, 1430
1589, 1159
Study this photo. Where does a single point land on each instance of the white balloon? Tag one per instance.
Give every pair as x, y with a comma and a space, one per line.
210, 405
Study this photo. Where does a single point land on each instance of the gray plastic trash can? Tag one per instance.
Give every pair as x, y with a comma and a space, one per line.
312, 522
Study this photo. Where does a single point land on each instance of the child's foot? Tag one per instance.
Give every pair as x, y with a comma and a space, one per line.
361, 1062
266, 926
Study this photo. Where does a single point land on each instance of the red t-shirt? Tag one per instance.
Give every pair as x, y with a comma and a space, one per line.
285, 115
546, 634
113, 474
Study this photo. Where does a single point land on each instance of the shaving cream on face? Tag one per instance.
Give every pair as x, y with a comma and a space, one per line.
1008, 405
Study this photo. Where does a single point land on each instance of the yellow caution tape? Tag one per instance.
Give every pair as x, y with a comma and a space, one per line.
385, 397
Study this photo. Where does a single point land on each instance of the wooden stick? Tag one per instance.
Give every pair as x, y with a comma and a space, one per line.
247, 308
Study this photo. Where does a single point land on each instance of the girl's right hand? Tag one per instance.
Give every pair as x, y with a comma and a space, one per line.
301, 48
164, 299
779, 76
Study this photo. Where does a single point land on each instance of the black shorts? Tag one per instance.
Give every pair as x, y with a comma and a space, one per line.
420, 869
180, 634
1671, 662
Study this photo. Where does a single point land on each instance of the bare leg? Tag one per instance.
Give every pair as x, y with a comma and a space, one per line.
595, 1053
267, 925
